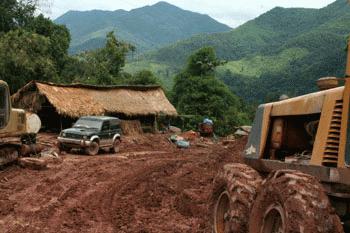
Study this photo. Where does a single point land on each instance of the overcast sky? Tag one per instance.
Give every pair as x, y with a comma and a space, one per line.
230, 12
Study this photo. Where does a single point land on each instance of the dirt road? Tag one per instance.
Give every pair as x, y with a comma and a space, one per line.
151, 186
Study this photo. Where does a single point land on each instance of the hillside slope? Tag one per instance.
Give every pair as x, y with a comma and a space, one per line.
148, 27
265, 34
281, 51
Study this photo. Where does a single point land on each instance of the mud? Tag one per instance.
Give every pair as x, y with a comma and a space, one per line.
150, 186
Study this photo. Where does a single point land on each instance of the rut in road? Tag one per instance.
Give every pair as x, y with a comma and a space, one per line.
148, 192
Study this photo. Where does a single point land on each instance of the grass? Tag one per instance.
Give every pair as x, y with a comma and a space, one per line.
256, 66
164, 72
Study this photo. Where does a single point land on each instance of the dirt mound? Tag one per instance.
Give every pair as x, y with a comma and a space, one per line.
131, 127
150, 187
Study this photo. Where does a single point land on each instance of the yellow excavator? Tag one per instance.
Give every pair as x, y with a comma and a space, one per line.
296, 175
18, 129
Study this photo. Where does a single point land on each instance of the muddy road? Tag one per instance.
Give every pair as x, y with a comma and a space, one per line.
150, 186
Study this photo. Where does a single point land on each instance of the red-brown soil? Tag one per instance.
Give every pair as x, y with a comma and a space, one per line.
150, 186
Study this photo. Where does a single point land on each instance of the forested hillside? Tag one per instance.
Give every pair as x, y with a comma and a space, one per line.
147, 28
281, 51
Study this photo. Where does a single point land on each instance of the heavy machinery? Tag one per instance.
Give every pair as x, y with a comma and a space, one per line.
296, 176
17, 129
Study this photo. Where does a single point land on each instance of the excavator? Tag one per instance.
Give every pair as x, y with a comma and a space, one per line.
18, 129
296, 172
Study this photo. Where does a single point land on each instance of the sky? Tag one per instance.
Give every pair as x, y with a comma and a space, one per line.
230, 12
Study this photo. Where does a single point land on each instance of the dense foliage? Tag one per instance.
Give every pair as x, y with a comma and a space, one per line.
198, 92
25, 56
101, 66
31, 47
58, 36
147, 28
203, 62
143, 77
266, 57
281, 51
15, 14
104, 66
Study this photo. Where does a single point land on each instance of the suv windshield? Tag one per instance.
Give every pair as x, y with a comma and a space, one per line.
87, 123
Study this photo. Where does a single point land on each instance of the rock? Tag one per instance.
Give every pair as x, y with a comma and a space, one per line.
51, 156
33, 163
230, 137
174, 129
246, 128
49, 153
175, 138
121, 157
203, 145
240, 132
53, 159
227, 142
5, 179
182, 144
190, 135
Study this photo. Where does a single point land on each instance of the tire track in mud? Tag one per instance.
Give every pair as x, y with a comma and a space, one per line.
123, 217
146, 193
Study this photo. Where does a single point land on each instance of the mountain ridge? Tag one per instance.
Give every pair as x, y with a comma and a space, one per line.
283, 51
148, 27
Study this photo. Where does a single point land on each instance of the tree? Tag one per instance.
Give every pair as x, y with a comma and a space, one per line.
15, 14
31, 47
144, 77
198, 92
102, 66
113, 55
25, 56
58, 35
203, 62
115, 51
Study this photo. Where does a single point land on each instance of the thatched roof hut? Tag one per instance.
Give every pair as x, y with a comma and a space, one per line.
76, 100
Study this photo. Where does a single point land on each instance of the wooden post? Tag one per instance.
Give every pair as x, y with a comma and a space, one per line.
347, 74
61, 122
155, 124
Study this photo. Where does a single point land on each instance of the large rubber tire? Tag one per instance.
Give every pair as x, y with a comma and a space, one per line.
92, 149
115, 148
292, 202
8, 154
235, 188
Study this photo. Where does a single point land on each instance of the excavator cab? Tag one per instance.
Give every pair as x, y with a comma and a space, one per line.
312, 129
16, 123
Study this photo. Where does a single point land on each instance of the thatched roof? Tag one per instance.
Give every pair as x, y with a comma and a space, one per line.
79, 100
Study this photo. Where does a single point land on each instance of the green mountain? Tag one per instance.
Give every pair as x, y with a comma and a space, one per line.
281, 51
149, 27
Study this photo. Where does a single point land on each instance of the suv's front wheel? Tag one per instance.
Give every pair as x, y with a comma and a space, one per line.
92, 149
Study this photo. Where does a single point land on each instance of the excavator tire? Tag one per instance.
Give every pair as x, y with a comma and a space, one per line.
290, 201
8, 154
235, 188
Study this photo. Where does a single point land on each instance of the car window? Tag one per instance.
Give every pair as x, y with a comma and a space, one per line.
114, 124
88, 123
105, 126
